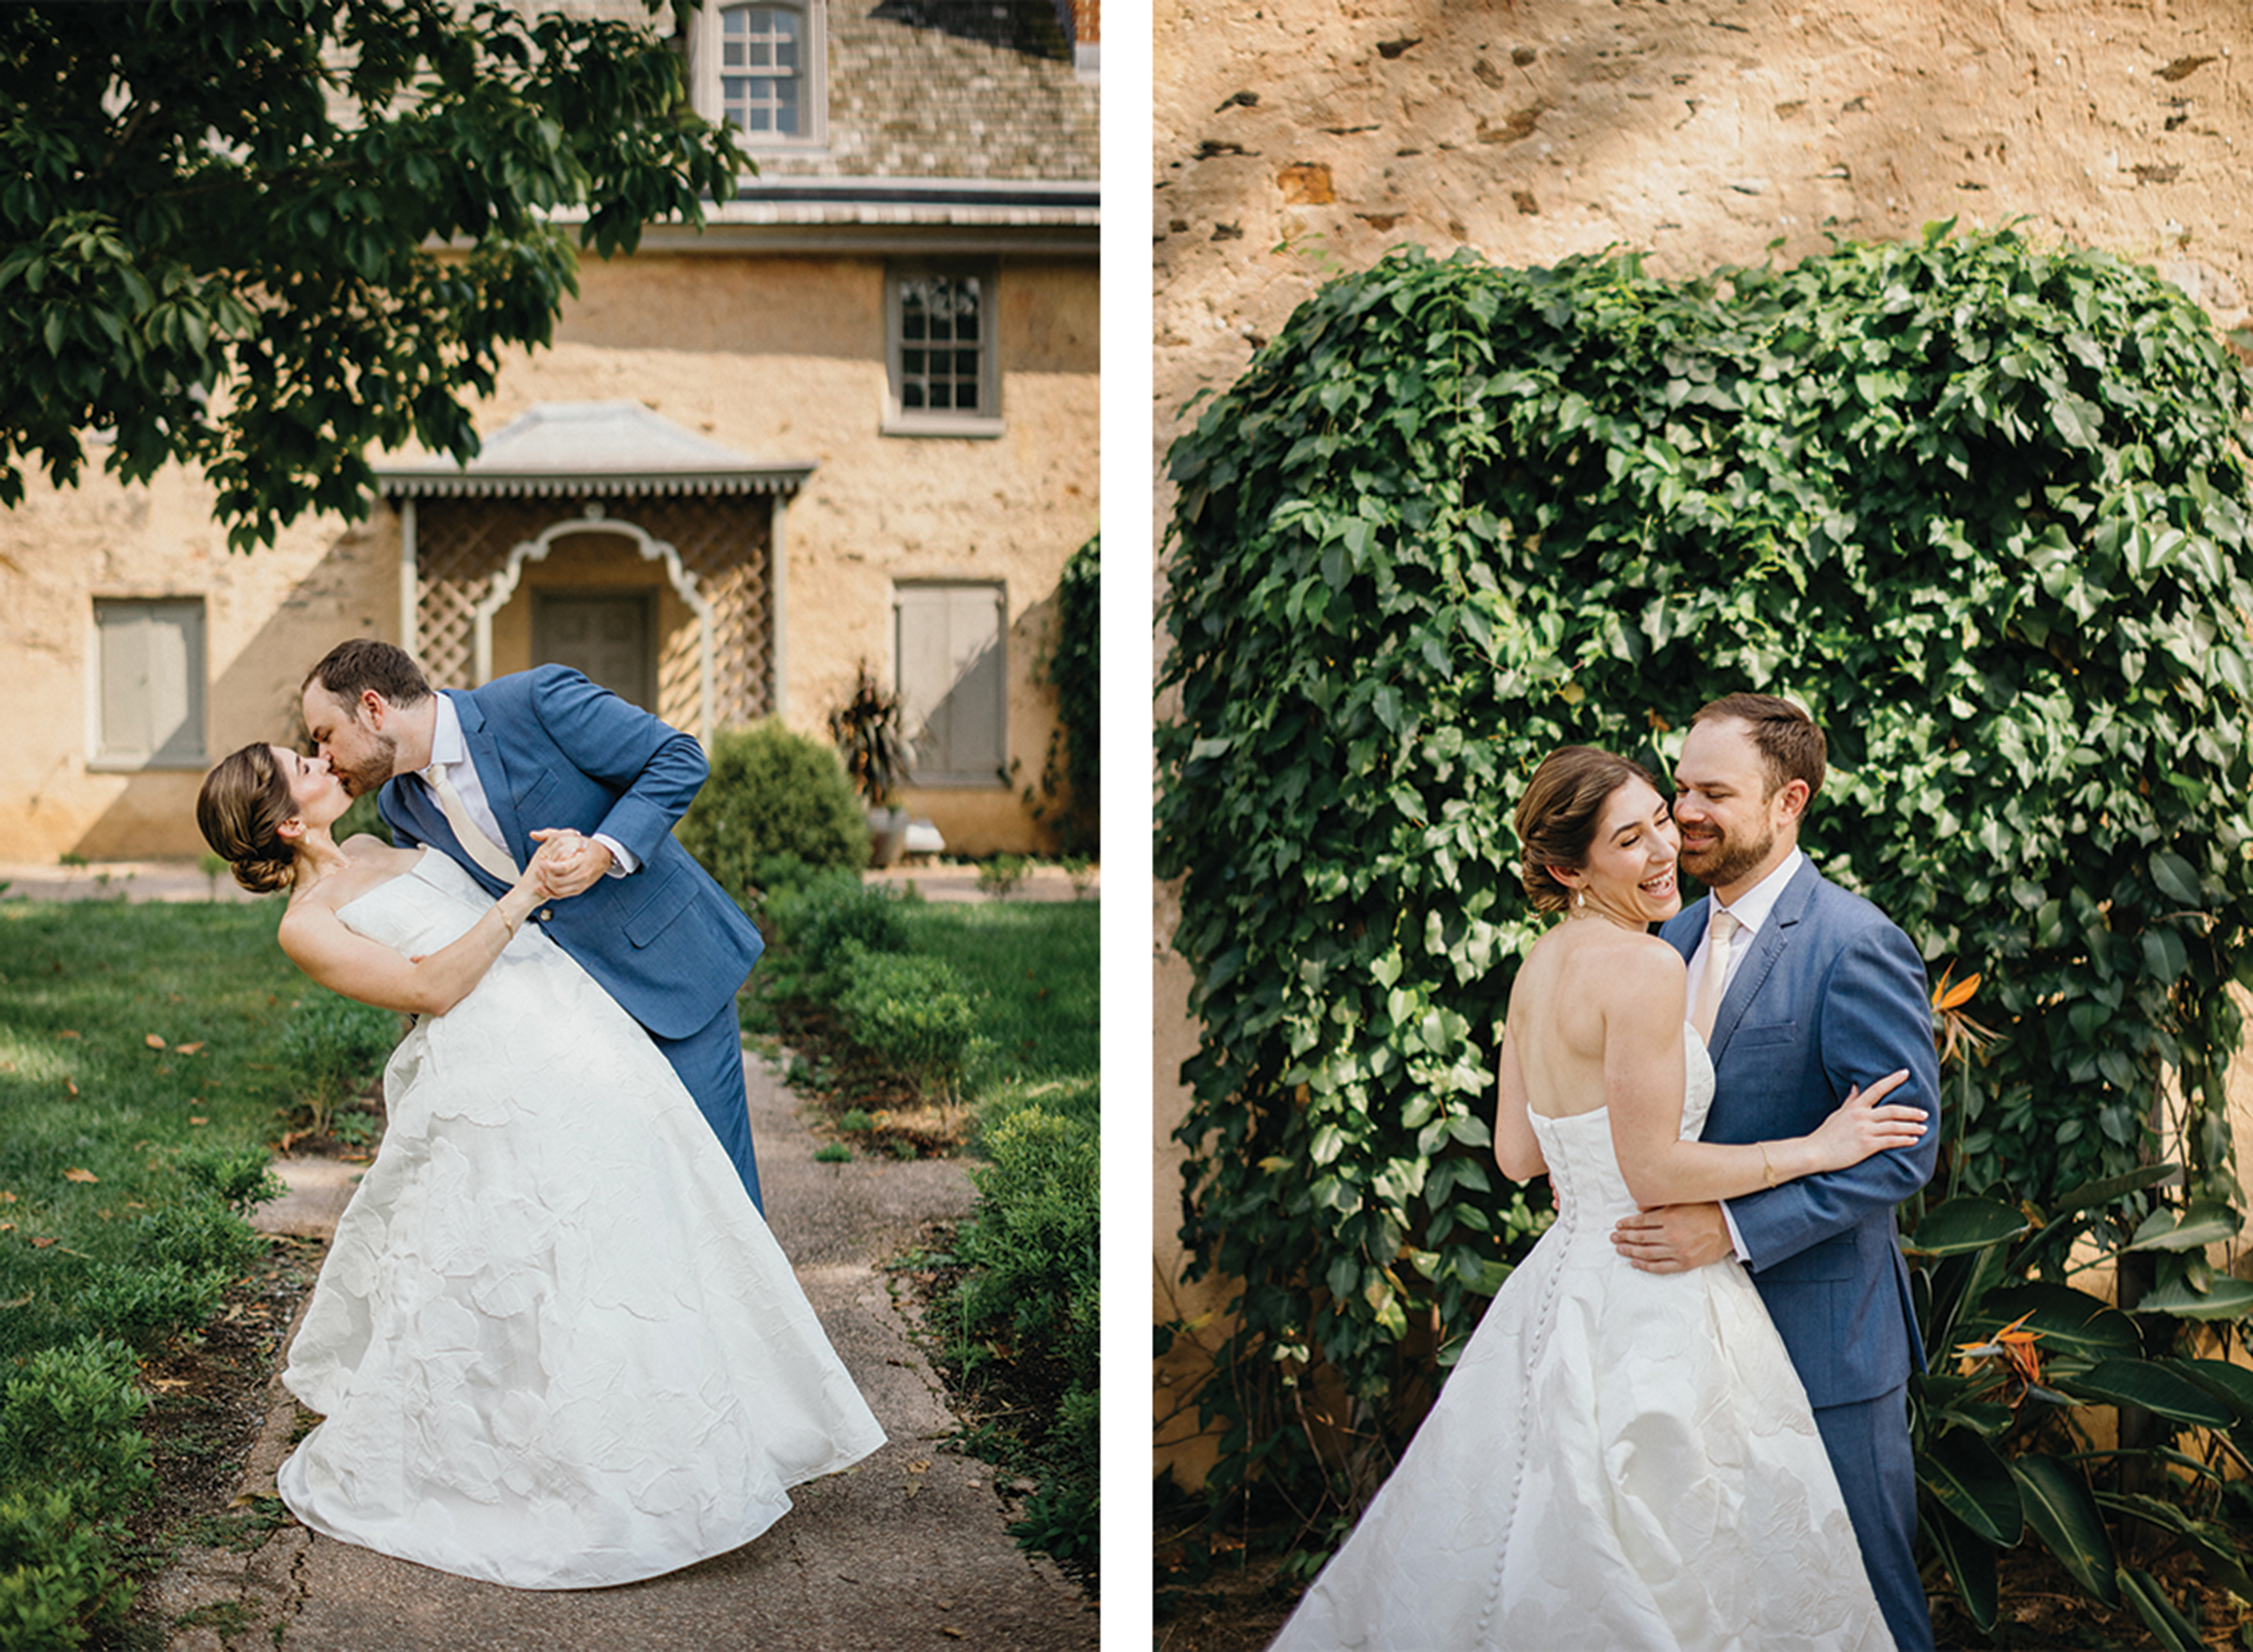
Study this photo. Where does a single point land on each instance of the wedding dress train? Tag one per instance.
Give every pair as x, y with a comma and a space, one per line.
1619, 1461
554, 1344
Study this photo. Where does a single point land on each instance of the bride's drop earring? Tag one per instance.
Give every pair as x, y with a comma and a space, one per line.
1580, 899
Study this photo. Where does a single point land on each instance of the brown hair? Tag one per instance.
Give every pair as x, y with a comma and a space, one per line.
350, 669
1557, 815
241, 807
1791, 747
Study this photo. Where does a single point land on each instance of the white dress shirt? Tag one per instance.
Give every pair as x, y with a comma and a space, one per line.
1753, 909
451, 747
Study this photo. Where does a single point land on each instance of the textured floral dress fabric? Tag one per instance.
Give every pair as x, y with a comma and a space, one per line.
554, 1344
1619, 1461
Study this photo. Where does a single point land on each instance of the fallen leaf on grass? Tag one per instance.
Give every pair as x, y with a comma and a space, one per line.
196, 1120
154, 1041
188, 1048
68, 1033
41, 1243
19, 1302
7, 1198
74, 1174
70, 1085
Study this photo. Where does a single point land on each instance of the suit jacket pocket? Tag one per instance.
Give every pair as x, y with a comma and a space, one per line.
1766, 1033
1832, 1259
660, 906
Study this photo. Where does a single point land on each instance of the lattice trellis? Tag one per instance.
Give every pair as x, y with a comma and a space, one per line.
724, 540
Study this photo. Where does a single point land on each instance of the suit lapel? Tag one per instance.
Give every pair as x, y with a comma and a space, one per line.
1775, 935
491, 773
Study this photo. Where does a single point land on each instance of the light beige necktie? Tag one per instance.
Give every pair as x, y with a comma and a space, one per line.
474, 838
1721, 930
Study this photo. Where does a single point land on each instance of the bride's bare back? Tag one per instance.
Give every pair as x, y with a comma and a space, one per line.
1595, 1002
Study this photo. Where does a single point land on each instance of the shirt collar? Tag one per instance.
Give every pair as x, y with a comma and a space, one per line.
448, 745
1751, 908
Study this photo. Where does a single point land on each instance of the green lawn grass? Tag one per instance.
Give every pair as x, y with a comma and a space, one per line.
1038, 966
85, 988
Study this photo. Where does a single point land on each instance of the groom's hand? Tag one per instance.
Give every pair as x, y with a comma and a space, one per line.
576, 865
1674, 1238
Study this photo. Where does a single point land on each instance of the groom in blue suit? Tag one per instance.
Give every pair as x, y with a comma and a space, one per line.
489, 773
1810, 991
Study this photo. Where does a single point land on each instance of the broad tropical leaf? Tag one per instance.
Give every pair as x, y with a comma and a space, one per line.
2058, 1505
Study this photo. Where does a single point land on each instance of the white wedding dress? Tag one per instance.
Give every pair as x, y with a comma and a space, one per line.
554, 1344
1619, 1461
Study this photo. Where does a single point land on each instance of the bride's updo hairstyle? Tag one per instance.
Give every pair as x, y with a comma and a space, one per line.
1557, 815
241, 809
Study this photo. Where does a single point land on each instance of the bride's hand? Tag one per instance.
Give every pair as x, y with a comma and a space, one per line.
1864, 1126
551, 861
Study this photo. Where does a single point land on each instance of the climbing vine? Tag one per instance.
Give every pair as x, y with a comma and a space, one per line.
1976, 503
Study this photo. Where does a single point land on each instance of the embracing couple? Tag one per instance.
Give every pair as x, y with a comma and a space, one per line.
554, 1344
1683, 1420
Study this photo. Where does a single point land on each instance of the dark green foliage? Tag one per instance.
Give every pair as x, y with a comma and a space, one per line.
813, 922
67, 1420
2005, 1452
1071, 783
145, 1305
55, 1581
1034, 1284
1976, 503
335, 216
911, 1012
773, 792
242, 1179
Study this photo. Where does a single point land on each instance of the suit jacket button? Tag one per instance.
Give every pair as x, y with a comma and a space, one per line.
547, 912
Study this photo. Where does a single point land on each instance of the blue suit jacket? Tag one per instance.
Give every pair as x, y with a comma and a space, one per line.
552, 749
1833, 994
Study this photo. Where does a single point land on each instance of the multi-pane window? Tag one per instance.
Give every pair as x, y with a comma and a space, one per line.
953, 686
945, 378
148, 683
764, 70
941, 343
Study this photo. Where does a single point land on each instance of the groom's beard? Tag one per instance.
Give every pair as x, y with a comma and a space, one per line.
1726, 860
372, 770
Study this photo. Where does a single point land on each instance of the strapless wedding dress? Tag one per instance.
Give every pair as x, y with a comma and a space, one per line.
1619, 1461
554, 1344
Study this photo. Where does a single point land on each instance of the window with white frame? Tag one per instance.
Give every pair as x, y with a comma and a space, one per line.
148, 683
954, 682
945, 369
763, 69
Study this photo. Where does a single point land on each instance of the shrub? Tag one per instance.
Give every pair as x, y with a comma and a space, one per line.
67, 1420
1033, 1283
1977, 504
57, 1582
773, 792
145, 1303
1001, 876
241, 1180
331, 1046
816, 921
911, 1011
1071, 791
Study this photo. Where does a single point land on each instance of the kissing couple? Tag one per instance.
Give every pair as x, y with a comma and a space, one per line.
1683, 1420
553, 1344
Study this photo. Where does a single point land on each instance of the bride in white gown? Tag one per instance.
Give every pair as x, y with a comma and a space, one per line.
1620, 1459
554, 1344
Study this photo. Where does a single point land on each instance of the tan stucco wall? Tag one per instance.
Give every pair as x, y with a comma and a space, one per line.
1301, 138
776, 358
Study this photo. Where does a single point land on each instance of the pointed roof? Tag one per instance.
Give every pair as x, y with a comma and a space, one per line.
575, 448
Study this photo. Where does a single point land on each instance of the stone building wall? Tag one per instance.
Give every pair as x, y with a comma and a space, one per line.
1296, 139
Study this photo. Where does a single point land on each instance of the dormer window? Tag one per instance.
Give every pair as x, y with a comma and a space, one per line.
763, 69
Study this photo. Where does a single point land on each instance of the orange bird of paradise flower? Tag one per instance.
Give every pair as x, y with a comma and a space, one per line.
2014, 1345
